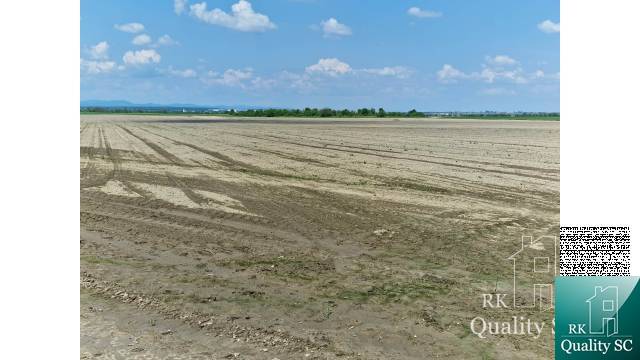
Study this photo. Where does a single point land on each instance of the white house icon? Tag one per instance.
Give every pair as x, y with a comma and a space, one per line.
603, 311
535, 264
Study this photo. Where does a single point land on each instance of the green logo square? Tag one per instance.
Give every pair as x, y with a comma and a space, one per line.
597, 317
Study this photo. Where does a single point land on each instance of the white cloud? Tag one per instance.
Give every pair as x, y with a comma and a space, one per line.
242, 17
300, 82
333, 27
96, 67
244, 79
186, 73
497, 91
400, 72
497, 68
264, 84
541, 75
450, 74
501, 60
549, 27
329, 66
142, 39
100, 64
231, 77
99, 51
490, 75
417, 12
130, 27
141, 57
179, 5
166, 40
501, 67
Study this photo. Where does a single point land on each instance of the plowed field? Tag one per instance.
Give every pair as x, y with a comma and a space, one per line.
259, 239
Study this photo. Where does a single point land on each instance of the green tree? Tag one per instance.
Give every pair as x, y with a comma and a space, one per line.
414, 113
326, 112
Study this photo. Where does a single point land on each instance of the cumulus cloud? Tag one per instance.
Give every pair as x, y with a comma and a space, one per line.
186, 73
497, 91
301, 82
130, 27
450, 74
241, 18
99, 51
100, 63
419, 13
263, 84
538, 74
321, 75
501, 60
549, 27
141, 57
329, 66
96, 67
166, 40
541, 75
230, 77
242, 78
490, 75
179, 5
332, 27
142, 39
499, 68
400, 72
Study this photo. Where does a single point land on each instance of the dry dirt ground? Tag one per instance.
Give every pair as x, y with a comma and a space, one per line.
226, 238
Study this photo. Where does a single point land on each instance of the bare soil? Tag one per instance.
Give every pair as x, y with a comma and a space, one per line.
307, 239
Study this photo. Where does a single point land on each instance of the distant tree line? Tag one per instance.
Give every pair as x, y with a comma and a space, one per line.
328, 113
324, 113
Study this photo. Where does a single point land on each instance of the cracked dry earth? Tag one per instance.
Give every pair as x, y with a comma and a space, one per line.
217, 238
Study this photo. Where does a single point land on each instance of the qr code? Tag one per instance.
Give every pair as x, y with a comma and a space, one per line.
595, 251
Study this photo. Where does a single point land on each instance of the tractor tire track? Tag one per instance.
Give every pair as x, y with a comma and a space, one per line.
474, 168
193, 196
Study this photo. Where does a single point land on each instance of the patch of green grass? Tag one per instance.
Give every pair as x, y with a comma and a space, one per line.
425, 264
393, 292
466, 331
92, 259
487, 353
488, 276
287, 267
405, 258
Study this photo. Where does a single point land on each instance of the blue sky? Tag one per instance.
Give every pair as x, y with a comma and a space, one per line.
434, 55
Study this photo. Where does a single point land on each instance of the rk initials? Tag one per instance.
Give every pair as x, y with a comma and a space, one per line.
577, 329
488, 300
